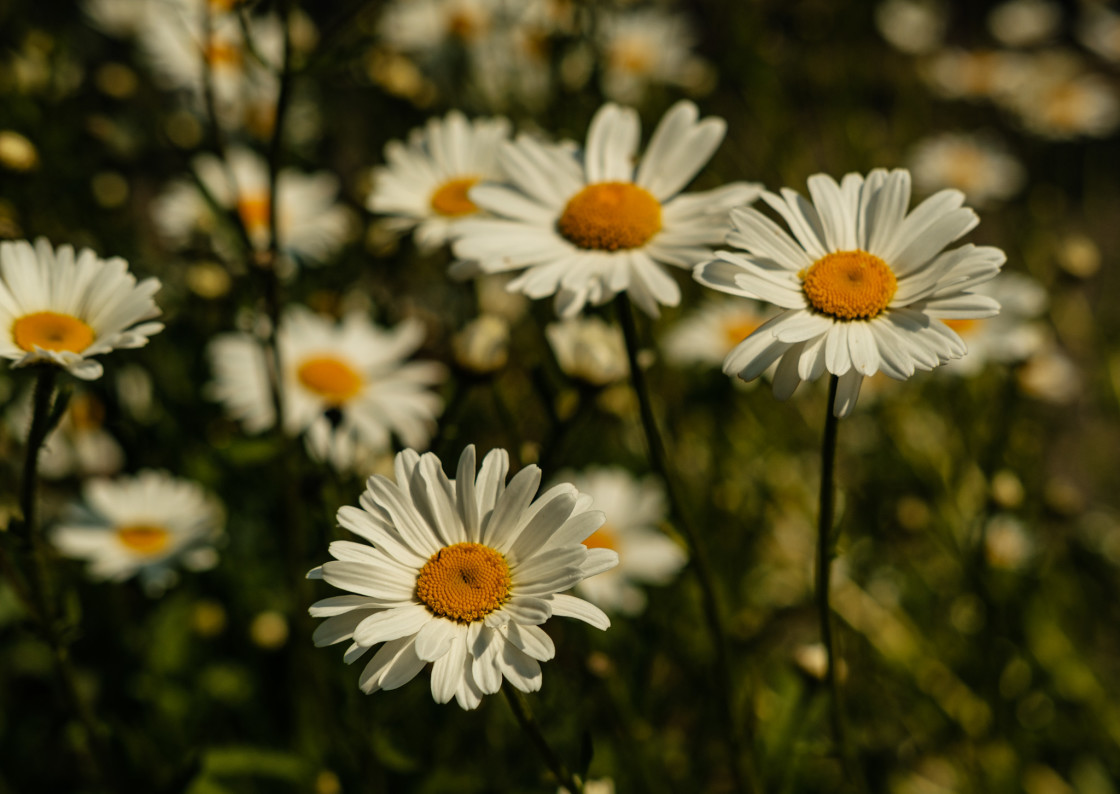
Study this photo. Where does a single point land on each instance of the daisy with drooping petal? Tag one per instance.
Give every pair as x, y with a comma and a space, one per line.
425, 183
146, 525
865, 284
586, 230
58, 307
460, 573
646, 556
346, 384
709, 333
310, 223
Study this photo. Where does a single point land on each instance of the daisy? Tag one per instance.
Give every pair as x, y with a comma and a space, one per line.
79, 445
425, 183
586, 229
643, 47
146, 525
977, 166
712, 331
916, 27
460, 573
347, 384
311, 224
428, 28
864, 284
633, 508
60, 308
1061, 100
1014, 336
1024, 23
589, 349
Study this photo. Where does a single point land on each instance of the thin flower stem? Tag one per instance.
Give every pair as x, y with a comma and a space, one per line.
659, 459
825, 551
39, 585
525, 719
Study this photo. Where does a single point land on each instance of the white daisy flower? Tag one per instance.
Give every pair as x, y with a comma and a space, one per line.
147, 525
646, 46
1061, 100
865, 284
311, 224
977, 166
709, 333
633, 508
1024, 23
976, 74
1013, 336
590, 349
586, 230
425, 183
79, 445
346, 384
427, 27
912, 26
60, 308
461, 573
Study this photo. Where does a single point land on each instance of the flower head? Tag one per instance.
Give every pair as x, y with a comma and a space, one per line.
866, 286
145, 525
60, 308
460, 573
587, 229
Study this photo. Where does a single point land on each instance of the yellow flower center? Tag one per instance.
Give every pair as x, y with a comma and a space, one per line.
331, 378
737, 329
632, 56
603, 538
464, 582
254, 210
86, 412
144, 539
51, 331
849, 285
222, 53
451, 198
962, 327
610, 216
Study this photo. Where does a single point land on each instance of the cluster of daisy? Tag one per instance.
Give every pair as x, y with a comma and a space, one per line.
62, 309
501, 55
1054, 91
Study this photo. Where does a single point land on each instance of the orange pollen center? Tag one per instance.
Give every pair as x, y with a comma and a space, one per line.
634, 57
849, 285
144, 538
51, 331
962, 327
254, 212
464, 582
451, 198
603, 538
610, 216
86, 413
332, 379
221, 53
738, 329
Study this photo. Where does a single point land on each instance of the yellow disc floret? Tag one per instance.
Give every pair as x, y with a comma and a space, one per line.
603, 538
849, 285
464, 582
145, 539
451, 200
610, 216
330, 378
51, 331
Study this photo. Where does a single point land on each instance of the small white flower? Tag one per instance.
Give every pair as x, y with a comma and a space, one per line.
353, 369
482, 346
459, 573
1024, 23
865, 284
587, 229
79, 445
1014, 335
976, 74
310, 223
916, 27
428, 28
590, 349
425, 183
147, 525
60, 308
1060, 99
710, 332
976, 165
633, 508
646, 46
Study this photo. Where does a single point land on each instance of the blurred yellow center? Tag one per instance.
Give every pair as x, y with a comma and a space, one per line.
51, 331
86, 413
603, 538
962, 327
332, 379
222, 53
254, 211
610, 216
464, 582
849, 285
737, 329
144, 538
451, 198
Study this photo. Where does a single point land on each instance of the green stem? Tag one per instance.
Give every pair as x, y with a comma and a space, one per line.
525, 719
659, 459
